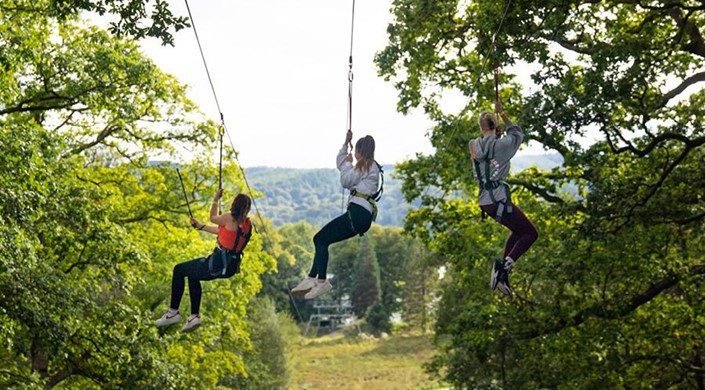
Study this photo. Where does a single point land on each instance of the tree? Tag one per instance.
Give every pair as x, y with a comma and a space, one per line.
273, 335
135, 18
293, 247
366, 284
419, 286
91, 228
616, 257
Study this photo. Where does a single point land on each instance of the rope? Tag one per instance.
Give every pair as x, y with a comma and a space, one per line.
498, 132
350, 95
184, 190
296, 307
203, 57
350, 74
223, 126
220, 159
493, 48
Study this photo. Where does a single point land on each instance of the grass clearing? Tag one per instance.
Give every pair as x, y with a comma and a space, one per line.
339, 362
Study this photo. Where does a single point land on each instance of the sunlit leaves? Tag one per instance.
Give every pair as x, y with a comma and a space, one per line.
615, 89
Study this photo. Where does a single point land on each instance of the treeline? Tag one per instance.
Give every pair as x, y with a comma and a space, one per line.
315, 195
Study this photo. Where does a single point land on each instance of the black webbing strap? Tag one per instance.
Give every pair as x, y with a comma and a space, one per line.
490, 185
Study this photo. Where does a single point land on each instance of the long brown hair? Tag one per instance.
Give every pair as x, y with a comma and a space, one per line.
241, 205
366, 147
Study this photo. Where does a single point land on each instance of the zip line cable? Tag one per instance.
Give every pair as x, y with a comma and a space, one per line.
350, 74
220, 158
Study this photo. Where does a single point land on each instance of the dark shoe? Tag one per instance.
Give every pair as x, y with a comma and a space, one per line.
503, 283
497, 269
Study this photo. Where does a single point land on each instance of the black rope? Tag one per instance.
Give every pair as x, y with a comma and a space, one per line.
184, 190
296, 307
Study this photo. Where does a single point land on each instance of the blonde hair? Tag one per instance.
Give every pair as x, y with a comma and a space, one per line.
488, 119
365, 146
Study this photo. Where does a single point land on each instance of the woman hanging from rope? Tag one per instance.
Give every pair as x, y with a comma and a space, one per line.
491, 155
234, 230
363, 181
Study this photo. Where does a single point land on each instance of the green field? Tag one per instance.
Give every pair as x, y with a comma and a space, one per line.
339, 362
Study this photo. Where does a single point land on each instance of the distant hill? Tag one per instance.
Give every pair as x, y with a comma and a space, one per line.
315, 195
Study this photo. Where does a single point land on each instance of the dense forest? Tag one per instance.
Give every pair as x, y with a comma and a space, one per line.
611, 296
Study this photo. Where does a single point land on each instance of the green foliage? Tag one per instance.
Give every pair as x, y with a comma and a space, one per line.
378, 317
609, 295
135, 18
273, 338
365, 282
91, 231
292, 246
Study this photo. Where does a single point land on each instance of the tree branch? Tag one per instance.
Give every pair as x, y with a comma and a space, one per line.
600, 310
696, 78
544, 193
656, 141
107, 131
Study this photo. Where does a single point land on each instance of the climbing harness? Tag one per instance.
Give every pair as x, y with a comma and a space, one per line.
371, 199
487, 183
221, 256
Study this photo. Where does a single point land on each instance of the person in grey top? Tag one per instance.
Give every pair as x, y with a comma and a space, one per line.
362, 179
491, 154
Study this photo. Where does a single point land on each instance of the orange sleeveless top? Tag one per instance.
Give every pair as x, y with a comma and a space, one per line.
226, 237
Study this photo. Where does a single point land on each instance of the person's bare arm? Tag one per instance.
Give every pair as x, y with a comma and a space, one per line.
202, 226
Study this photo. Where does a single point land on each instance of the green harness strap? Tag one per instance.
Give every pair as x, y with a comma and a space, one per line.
368, 198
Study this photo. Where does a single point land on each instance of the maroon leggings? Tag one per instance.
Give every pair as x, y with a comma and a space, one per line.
523, 231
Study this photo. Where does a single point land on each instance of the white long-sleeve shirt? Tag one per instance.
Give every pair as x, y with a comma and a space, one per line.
354, 179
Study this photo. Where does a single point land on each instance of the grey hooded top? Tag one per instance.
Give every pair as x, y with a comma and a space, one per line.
505, 148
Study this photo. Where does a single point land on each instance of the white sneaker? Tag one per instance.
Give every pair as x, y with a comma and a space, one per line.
169, 318
318, 289
508, 264
305, 286
193, 322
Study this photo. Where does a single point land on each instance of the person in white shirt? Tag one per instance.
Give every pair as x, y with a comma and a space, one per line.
362, 179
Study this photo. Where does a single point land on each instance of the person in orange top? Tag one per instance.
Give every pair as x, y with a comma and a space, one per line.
233, 230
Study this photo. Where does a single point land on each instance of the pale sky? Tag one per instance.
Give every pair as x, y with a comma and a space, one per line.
280, 71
